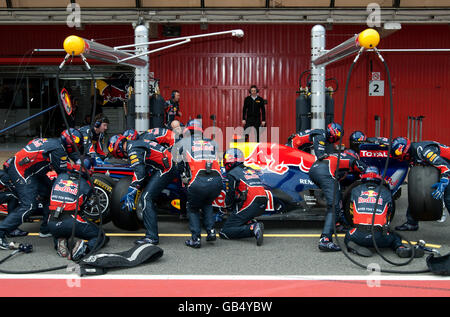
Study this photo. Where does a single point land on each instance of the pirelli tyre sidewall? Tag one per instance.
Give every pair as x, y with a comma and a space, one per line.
346, 204
123, 219
103, 188
422, 206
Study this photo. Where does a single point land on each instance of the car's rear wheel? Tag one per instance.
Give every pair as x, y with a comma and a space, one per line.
422, 206
122, 218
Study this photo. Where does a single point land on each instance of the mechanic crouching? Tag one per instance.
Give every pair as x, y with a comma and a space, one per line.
71, 194
246, 196
362, 206
323, 173
197, 160
152, 165
28, 170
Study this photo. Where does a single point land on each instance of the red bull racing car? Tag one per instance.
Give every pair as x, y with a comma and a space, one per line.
282, 169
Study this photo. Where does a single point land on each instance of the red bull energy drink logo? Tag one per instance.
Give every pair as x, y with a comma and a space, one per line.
67, 186
277, 158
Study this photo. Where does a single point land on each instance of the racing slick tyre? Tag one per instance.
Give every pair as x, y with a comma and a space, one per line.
422, 206
346, 204
103, 188
123, 219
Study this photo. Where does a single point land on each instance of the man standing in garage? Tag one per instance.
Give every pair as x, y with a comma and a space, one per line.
254, 112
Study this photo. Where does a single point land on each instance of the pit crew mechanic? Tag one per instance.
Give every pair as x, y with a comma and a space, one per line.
429, 153
172, 108
197, 160
145, 157
323, 173
358, 137
362, 206
27, 170
245, 196
93, 140
71, 191
316, 139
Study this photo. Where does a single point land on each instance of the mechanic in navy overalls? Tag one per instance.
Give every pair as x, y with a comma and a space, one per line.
198, 163
163, 136
8, 197
70, 191
145, 158
28, 170
358, 137
429, 153
323, 173
362, 207
316, 139
246, 196
93, 138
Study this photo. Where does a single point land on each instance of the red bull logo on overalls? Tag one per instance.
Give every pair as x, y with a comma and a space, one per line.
67, 186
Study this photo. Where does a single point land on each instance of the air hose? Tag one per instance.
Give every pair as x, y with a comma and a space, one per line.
335, 188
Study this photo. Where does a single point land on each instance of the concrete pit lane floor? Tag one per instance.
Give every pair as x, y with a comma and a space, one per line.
289, 263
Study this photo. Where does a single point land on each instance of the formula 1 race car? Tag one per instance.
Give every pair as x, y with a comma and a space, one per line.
282, 169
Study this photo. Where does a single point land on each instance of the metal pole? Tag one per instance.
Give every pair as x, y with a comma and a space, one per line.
408, 134
141, 81
317, 78
415, 129
344, 49
420, 128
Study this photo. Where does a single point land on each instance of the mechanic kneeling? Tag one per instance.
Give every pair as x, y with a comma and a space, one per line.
362, 206
247, 197
27, 171
72, 192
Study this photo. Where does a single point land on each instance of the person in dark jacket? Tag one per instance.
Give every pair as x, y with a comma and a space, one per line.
254, 112
172, 108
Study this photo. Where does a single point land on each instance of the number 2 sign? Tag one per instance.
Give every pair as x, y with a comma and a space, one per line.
376, 88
